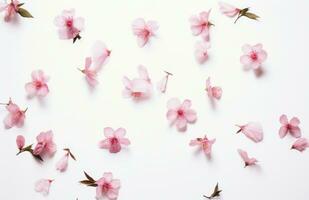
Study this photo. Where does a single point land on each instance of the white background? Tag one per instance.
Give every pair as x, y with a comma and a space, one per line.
159, 164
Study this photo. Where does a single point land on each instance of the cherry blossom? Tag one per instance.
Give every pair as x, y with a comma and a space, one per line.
12, 9
201, 51
253, 56
289, 127
107, 187
180, 113
228, 9
204, 143
144, 30
15, 117
45, 144
38, 86
42, 186
20, 142
252, 130
114, 140
213, 91
244, 156
69, 26
200, 24
300, 144
162, 84
138, 88
90, 73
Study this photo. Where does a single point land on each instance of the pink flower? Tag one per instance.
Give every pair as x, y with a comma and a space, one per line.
42, 186
15, 117
228, 9
62, 164
180, 114
204, 143
301, 144
253, 56
69, 26
289, 127
201, 51
162, 84
100, 53
138, 88
10, 9
45, 144
144, 30
107, 187
213, 92
90, 73
38, 86
252, 130
248, 161
20, 142
114, 139
200, 25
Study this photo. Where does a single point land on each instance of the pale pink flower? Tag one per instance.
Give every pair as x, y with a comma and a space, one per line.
180, 113
107, 187
45, 144
62, 164
204, 143
228, 9
201, 51
253, 56
100, 54
162, 84
20, 142
90, 73
248, 161
138, 88
42, 186
15, 117
144, 30
200, 25
289, 127
38, 86
252, 130
213, 91
301, 144
10, 9
114, 139
69, 26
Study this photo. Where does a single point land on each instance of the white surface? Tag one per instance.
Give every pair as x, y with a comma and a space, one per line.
159, 164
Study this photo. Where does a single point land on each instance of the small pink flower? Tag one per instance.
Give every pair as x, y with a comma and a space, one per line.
228, 9
10, 9
248, 161
180, 113
213, 92
45, 144
289, 127
20, 142
69, 26
252, 130
100, 54
144, 30
201, 51
138, 88
204, 143
200, 25
90, 73
114, 139
301, 144
107, 187
42, 186
162, 84
15, 117
253, 56
38, 86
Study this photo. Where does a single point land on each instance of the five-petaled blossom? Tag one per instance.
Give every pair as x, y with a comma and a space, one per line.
107, 187
144, 30
180, 113
248, 161
252, 130
69, 26
138, 88
114, 139
213, 91
45, 144
228, 9
15, 117
201, 51
200, 25
204, 143
253, 56
301, 144
38, 86
42, 186
289, 127
12, 9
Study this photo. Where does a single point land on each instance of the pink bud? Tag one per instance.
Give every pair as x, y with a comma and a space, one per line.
20, 141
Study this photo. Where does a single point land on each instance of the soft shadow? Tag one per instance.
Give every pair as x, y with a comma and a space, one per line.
259, 72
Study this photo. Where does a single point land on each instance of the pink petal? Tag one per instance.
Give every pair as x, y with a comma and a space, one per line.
283, 131
228, 9
186, 104
120, 132
248, 161
124, 141
253, 131
20, 141
30, 89
142, 40
300, 144
295, 132
294, 121
171, 115
181, 124
194, 142
105, 144
62, 164
108, 132
8, 121
138, 25
190, 115
162, 84
143, 74
217, 92
42, 186
43, 91
284, 120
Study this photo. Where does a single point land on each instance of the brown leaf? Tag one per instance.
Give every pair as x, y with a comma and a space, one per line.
215, 193
24, 13
251, 15
89, 177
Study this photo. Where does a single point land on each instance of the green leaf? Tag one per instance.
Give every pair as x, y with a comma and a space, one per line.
251, 15
24, 13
